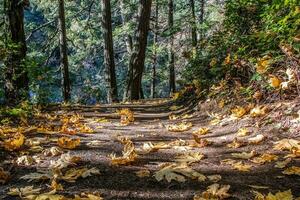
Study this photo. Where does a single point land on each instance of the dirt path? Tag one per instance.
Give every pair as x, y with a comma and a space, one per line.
121, 182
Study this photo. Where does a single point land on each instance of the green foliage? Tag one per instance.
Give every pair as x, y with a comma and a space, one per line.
251, 29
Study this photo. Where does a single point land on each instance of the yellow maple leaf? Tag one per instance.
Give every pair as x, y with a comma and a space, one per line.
244, 155
292, 171
263, 64
14, 143
68, 143
128, 155
264, 158
180, 127
215, 191
201, 131
258, 111
274, 81
286, 195
127, 116
238, 112
287, 144
242, 132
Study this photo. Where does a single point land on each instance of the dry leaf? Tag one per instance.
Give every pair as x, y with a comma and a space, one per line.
149, 147
240, 166
258, 111
180, 127
14, 143
286, 195
214, 178
37, 176
244, 155
274, 81
73, 174
189, 157
215, 191
201, 131
178, 172
287, 144
23, 192
53, 151
238, 112
283, 164
4, 176
257, 139
143, 173
68, 143
292, 171
64, 161
264, 158
242, 132
129, 154
235, 144
127, 116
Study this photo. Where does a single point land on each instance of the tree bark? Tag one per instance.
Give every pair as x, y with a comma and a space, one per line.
129, 47
112, 92
172, 86
154, 64
193, 24
201, 17
64, 64
16, 77
137, 60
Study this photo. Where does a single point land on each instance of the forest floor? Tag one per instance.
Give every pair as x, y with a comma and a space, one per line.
160, 138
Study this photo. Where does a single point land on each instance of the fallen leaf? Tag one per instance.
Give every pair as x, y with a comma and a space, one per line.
287, 144
214, 178
258, 111
128, 155
180, 127
15, 143
53, 151
238, 112
286, 195
283, 164
73, 174
264, 158
214, 191
150, 147
274, 81
64, 161
235, 144
292, 171
178, 172
201, 131
257, 139
244, 155
242, 132
37, 176
189, 157
68, 143
23, 192
4, 176
143, 173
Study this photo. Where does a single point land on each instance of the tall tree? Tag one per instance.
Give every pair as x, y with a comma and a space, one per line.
137, 59
172, 86
193, 23
129, 45
155, 41
201, 17
16, 77
64, 64
112, 92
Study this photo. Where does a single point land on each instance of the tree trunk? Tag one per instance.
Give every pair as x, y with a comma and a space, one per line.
129, 47
16, 77
137, 60
193, 24
172, 87
155, 41
201, 17
112, 92
64, 65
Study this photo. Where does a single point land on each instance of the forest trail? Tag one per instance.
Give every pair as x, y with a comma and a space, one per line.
151, 126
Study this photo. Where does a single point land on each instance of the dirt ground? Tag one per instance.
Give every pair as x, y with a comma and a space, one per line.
121, 182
